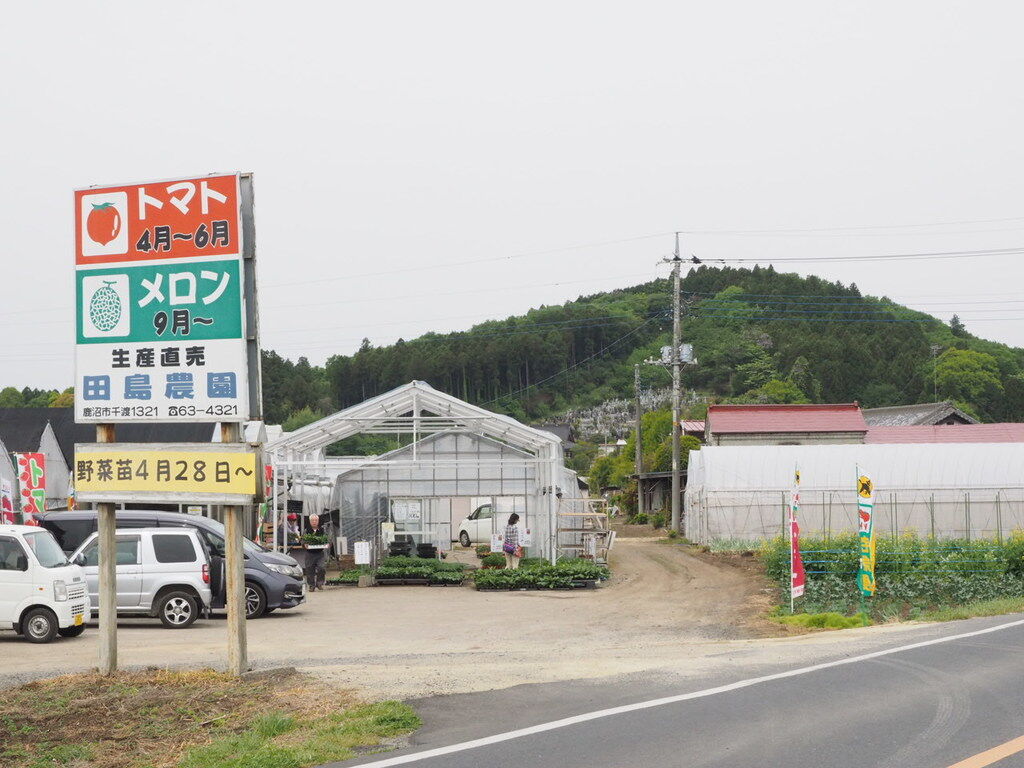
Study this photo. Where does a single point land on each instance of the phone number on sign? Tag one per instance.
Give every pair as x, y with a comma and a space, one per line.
213, 410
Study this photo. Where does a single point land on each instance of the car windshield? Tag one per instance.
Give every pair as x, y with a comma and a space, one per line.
247, 545
46, 549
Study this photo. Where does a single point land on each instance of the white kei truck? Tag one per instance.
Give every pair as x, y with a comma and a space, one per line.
42, 595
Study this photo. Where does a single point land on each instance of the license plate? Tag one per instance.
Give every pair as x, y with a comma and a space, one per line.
78, 620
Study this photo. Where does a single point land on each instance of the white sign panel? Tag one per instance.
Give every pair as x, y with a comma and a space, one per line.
161, 323
362, 552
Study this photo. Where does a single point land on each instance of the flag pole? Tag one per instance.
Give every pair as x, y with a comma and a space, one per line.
792, 573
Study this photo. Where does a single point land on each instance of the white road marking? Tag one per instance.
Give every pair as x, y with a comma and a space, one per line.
612, 711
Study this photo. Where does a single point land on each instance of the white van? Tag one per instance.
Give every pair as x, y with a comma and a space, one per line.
161, 572
41, 593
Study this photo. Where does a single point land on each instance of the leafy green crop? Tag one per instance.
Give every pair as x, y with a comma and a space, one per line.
913, 573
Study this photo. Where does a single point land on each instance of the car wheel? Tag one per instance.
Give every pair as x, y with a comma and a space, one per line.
255, 601
39, 625
464, 539
72, 631
178, 610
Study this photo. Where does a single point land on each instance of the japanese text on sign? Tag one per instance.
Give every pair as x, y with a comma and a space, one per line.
32, 479
120, 471
158, 220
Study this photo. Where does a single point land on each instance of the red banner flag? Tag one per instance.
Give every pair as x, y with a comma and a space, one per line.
796, 562
32, 479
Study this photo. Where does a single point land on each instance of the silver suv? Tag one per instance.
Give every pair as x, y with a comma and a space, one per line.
161, 572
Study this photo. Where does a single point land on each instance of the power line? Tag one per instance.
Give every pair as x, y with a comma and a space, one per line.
574, 366
469, 335
856, 228
461, 293
880, 257
486, 260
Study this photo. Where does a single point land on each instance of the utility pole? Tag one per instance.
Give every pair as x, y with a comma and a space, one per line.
676, 387
639, 448
935, 377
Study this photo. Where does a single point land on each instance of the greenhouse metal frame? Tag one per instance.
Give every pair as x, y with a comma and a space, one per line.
456, 448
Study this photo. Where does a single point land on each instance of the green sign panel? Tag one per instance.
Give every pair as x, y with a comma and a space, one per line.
165, 301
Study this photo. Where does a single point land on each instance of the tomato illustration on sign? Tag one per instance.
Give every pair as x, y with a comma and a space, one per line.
104, 223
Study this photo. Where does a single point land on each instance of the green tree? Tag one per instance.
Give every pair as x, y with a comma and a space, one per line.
11, 398
775, 391
971, 377
300, 419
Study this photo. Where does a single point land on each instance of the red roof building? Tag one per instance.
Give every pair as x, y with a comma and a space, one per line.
947, 433
784, 424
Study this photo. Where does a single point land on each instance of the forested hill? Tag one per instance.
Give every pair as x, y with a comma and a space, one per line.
759, 336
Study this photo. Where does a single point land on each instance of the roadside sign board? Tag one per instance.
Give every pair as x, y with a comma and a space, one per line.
162, 330
195, 473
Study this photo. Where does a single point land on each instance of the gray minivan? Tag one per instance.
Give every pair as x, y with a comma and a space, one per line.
272, 580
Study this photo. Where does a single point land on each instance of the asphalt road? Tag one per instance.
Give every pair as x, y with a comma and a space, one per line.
930, 706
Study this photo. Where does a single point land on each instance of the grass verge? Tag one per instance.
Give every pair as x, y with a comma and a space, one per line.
201, 719
821, 620
994, 607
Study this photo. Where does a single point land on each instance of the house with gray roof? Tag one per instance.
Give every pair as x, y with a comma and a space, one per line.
932, 414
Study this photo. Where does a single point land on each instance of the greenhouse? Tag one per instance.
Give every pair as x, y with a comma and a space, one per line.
457, 455
947, 490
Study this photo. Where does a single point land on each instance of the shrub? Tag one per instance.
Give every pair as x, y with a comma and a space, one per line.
638, 519
658, 520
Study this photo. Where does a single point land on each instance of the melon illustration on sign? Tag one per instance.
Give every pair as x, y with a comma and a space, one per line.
103, 223
105, 307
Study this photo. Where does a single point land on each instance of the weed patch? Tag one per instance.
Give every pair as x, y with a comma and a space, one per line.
821, 620
199, 719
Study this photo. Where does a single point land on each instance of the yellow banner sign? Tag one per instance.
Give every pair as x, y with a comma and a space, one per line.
159, 471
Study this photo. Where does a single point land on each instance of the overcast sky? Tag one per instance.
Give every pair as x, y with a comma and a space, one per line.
390, 139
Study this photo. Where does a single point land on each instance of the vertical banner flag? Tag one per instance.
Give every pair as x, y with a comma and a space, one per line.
796, 562
32, 474
6, 502
866, 533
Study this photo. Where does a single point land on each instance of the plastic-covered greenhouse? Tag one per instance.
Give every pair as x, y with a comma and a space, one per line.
948, 490
458, 451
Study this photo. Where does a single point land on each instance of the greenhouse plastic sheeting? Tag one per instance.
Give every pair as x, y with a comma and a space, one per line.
946, 490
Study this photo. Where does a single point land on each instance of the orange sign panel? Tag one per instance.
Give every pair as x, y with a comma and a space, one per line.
177, 219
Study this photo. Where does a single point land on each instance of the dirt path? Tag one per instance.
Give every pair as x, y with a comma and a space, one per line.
664, 609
